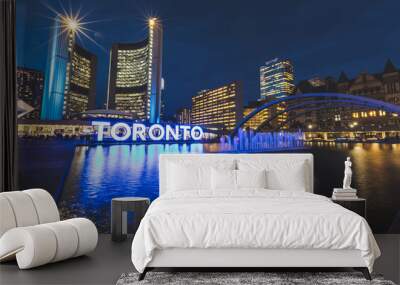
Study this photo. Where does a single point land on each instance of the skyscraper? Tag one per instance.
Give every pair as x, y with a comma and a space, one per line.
277, 81
30, 84
219, 108
80, 82
70, 73
134, 83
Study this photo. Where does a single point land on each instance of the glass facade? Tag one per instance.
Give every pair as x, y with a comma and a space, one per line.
258, 119
81, 71
70, 74
135, 76
219, 108
132, 65
277, 81
134, 103
80, 94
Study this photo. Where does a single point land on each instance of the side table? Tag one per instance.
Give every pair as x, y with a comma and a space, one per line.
119, 209
357, 205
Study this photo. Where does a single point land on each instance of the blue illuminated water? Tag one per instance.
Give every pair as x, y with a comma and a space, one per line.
100, 173
84, 179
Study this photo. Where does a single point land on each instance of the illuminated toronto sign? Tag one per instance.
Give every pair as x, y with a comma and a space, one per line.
122, 131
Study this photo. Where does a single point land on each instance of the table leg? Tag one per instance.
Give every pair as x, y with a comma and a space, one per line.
116, 222
124, 223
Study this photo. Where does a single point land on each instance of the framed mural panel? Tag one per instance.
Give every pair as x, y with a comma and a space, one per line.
105, 87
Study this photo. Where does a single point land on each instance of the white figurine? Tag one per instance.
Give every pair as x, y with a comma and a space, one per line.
347, 174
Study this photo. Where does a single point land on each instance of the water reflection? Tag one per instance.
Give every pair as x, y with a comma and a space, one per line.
376, 175
99, 173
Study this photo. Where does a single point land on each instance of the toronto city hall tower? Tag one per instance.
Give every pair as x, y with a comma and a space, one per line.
135, 83
70, 77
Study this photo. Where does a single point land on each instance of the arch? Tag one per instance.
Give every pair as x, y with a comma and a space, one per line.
338, 104
314, 109
373, 103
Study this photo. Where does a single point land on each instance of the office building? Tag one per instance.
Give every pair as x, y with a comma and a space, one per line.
219, 108
70, 73
30, 84
259, 119
80, 82
183, 116
277, 81
135, 82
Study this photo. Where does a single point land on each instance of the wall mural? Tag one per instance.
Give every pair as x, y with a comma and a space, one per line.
104, 89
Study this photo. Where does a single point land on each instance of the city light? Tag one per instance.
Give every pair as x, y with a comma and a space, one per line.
121, 131
152, 21
74, 22
218, 107
71, 24
132, 66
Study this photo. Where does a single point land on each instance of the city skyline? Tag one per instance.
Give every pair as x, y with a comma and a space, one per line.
190, 66
236, 78
135, 84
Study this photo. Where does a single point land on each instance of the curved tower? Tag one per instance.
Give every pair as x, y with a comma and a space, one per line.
70, 79
134, 83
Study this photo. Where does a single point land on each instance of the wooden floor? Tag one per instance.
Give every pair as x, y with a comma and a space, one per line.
111, 259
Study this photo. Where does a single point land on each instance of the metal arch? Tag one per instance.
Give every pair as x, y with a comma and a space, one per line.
372, 102
338, 104
314, 109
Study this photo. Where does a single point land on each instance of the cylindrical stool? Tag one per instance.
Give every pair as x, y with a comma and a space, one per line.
119, 209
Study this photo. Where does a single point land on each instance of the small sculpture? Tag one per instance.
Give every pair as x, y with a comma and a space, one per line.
347, 174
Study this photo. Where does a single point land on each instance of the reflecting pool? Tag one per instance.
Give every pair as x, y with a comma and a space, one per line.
84, 179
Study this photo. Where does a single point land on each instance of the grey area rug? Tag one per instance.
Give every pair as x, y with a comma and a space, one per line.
228, 278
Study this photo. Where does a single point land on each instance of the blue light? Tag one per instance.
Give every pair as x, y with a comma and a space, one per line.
56, 73
139, 132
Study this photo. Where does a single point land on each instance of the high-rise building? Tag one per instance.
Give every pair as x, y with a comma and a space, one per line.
30, 89
80, 82
219, 108
277, 81
134, 83
70, 73
183, 116
257, 121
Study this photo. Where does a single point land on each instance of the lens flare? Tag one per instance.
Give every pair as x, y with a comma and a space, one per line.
152, 21
71, 24
74, 22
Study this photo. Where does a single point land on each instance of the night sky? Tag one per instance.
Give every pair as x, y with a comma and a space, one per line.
209, 43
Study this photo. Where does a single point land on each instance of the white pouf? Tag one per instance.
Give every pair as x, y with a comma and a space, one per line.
31, 232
